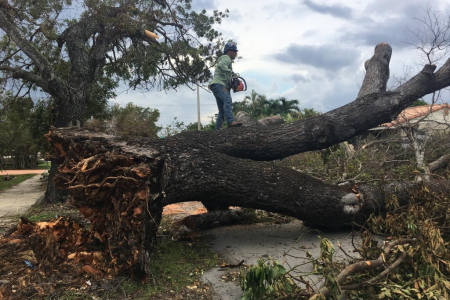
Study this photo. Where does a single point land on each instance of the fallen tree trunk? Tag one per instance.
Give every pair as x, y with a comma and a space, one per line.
216, 218
121, 186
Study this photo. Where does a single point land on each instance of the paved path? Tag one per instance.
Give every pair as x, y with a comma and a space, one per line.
21, 172
286, 243
19, 198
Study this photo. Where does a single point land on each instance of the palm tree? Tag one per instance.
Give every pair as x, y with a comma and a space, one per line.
257, 104
263, 108
287, 106
240, 106
274, 107
252, 100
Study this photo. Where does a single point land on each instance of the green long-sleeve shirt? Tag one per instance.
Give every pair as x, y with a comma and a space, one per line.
223, 71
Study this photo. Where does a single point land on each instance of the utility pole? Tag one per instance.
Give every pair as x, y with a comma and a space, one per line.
198, 108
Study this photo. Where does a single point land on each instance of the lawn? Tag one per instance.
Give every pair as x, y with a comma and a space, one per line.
6, 184
44, 166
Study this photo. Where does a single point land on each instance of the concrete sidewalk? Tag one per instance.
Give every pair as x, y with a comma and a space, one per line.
286, 243
19, 198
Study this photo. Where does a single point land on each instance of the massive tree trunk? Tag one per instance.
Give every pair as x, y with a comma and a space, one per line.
68, 112
123, 185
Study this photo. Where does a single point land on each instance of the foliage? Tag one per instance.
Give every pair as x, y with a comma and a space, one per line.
128, 121
267, 278
135, 121
258, 106
308, 113
22, 128
325, 266
87, 54
427, 276
425, 273
419, 102
172, 129
14, 113
177, 127
352, 161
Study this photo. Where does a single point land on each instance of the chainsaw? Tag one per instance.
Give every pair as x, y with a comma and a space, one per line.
238, 83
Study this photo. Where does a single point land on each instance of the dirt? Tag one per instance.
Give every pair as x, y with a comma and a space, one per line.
22, 172
27, 268
181, 210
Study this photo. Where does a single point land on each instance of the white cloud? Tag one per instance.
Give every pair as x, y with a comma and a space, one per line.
333, 38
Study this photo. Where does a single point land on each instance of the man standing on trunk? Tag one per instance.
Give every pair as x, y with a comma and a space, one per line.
220, 86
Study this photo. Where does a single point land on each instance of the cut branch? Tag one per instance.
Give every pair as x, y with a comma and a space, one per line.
440, 163
370, 265
377, 71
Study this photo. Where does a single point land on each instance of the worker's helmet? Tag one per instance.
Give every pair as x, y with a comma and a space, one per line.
230, 46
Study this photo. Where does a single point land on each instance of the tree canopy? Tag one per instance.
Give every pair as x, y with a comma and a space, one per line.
80, 58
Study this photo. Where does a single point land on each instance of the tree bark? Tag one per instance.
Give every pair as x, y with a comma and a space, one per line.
216, 218
440, 163
52, 193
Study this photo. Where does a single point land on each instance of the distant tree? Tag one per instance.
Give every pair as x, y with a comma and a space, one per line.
128, 121
22, 128
284, 106
194, 127
419, 102
308, 113
258, 106
178, 126
174, 128
133, 120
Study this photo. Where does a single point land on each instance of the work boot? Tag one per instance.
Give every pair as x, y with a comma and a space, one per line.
235, 124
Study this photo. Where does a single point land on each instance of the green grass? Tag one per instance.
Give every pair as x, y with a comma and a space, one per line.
176, 265
6, 184
44, 166
42, 217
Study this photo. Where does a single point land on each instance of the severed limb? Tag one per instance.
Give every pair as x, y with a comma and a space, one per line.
371, 265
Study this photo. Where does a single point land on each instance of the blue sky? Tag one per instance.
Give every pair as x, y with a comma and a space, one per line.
311, 50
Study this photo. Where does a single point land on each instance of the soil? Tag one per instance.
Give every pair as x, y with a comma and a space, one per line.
22, 172
26, 271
